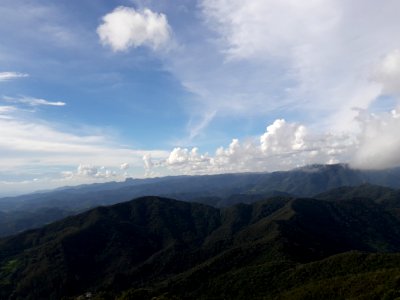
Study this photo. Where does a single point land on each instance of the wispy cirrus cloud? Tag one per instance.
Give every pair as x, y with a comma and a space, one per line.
31, 101
274, 59
6, 109
35, 143
33, 148
7, 76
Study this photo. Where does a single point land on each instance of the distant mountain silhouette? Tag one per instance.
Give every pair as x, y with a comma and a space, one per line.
215, 190
339, 245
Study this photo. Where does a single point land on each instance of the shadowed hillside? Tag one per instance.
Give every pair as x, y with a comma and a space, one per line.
279, 248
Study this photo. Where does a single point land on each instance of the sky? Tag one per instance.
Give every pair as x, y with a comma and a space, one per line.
95, 91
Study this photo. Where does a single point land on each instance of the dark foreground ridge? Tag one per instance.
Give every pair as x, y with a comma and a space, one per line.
343, 244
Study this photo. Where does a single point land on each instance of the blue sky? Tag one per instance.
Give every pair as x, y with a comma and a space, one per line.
102, 90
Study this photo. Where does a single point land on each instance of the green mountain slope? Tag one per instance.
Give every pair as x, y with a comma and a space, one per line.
94, 248
279, 248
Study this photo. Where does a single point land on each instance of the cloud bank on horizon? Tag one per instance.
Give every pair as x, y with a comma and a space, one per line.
322, 77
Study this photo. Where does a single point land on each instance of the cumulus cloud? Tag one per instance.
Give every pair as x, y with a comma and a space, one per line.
281, 137
6, 76
124, 166
379, 140
126, 28
89, 173
182, 156
148, 164
87, 170
284, 145
34, 101
178, 156
67, 175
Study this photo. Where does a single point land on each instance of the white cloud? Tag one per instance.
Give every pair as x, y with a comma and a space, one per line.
124, 166
283, 146
388, 72
87, 170
34, 101
379, 140
67, 175
83, 174
37, 146
270, 28
6, 76
182, 156
31, 148
126, 27
148, 164
313, 60
7, 109
178, 156
286, 145
196, 127
90, 171
281, 137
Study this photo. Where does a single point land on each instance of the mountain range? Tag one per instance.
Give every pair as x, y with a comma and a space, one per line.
34, 210
339, 244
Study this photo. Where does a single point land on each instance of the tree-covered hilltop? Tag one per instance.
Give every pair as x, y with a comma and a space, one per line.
278, 248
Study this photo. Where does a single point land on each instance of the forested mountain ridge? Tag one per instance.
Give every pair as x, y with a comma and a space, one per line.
37, 209
279, 248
